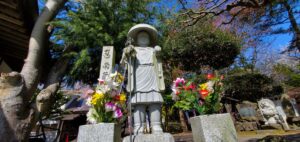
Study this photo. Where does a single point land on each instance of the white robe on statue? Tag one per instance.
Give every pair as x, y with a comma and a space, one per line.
146, 83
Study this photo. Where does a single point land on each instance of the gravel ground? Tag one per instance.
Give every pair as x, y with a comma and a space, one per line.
253, 136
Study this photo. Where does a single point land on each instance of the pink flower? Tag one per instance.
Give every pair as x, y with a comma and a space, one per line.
179, 81
87, 93
210, 76
118, 113
114, 93
201, 102
110, 106
101, 81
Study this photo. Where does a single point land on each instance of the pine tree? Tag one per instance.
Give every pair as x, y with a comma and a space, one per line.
92, 24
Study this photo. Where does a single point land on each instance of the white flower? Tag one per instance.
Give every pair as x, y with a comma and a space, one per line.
210, 86
174, 97
90, 116
113, 74
89, 101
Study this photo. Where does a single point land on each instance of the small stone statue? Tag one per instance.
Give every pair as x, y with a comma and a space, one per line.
269, 111
146, 76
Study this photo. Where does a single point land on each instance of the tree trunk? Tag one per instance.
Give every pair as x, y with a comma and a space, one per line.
17, 115
294, 25
184, 127
45, 98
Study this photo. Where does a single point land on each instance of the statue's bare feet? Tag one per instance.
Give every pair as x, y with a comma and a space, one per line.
156, 129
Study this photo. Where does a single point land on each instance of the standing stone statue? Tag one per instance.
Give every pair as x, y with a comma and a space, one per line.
146, 77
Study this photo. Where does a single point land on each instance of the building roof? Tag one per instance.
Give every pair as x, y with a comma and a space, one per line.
17, 18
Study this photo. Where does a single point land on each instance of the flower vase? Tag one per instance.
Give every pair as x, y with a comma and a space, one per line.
213, 128
102, 132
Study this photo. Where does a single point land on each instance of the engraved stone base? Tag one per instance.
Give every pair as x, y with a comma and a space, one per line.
164, 137
103, 132
213, 128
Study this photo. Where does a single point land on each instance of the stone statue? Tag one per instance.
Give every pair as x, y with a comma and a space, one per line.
146, 76
269, 111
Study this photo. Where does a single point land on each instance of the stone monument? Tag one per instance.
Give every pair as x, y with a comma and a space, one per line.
145, 82
107, 61
213, 128
102, 132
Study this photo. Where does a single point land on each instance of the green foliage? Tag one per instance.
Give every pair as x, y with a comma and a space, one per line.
91, 24
250, 86
60, 99
287, 75
201, 44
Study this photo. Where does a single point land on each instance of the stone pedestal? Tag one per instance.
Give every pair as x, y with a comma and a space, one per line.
164, 137
213, 128
103, 132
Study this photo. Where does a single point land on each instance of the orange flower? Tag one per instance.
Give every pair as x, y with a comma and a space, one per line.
204, 93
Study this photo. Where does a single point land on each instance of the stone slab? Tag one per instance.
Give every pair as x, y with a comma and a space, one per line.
213, 128
103, 132
164, 137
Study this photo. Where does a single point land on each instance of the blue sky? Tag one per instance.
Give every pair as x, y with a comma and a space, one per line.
277, 42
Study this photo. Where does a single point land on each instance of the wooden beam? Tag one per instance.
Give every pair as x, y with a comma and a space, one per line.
13, 33
13, 26
11, 19
30, 12
13, 38
10, 4
10, 11
22, 47
15, 41
13, 52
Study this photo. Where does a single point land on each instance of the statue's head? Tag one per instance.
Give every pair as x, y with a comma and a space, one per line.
143, 39
143, 35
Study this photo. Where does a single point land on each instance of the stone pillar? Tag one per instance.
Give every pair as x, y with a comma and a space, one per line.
107, 61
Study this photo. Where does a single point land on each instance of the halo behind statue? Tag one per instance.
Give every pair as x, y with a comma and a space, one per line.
143, 27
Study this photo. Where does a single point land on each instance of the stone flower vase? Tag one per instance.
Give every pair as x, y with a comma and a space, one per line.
213, 128
102, 132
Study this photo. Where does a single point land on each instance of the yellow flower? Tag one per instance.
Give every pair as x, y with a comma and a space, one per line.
122, 97
97, 96
120, 78
203, 86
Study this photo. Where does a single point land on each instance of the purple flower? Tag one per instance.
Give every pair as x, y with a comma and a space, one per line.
118, 113
110, 106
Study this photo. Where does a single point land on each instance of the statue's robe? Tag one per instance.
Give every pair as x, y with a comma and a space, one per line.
146, 74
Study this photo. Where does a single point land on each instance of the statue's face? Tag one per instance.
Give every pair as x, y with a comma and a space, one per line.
143, 39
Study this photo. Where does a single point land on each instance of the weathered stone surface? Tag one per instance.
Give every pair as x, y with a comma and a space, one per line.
107, 61
164, 137
103, 132
213, 128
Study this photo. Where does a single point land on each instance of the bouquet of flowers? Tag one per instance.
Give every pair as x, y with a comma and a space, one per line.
107, 102
202, 97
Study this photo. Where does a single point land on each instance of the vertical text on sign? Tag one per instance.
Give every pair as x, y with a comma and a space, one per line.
107, 61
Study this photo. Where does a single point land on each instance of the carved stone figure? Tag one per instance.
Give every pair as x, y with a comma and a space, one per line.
269, 111
145, 76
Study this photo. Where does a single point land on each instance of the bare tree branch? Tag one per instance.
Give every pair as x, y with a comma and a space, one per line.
195, 16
